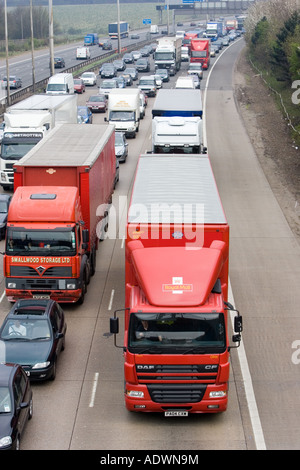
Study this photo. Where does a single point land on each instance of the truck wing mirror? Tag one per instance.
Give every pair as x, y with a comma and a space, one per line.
238, 326
114, 327
85, 235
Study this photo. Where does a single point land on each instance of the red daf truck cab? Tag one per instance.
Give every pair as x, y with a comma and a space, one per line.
176, 328
200, 52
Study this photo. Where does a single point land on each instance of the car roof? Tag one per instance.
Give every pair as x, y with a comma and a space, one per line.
7, 371
31, 308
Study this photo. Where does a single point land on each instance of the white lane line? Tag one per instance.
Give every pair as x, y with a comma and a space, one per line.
111, 299
94, 389
247, 380
2, 296
248, 386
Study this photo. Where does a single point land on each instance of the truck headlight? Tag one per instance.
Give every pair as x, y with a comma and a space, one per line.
134, 394
71, 286
12, 285
218, 394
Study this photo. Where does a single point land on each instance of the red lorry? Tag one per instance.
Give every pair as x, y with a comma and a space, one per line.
63, 188
200, 52
176, 346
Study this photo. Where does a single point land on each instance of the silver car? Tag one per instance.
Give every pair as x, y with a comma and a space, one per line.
14, 82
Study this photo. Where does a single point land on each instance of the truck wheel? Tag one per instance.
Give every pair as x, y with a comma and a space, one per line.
93, 261
84, 288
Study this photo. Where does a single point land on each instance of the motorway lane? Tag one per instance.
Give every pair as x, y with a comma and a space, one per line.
67, 415
264, 266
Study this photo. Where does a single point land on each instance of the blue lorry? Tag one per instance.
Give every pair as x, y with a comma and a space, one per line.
91, 39
113, 30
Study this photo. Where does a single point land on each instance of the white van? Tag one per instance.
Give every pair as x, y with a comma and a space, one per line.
185, 82
60, 84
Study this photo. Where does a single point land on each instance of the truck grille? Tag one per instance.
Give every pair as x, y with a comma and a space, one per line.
53, 271
176, 393
200, 373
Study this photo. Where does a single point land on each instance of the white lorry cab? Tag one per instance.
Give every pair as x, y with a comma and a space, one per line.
60, 84
124, 110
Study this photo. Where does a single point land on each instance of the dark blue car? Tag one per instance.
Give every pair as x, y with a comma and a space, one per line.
33, 335
15, 405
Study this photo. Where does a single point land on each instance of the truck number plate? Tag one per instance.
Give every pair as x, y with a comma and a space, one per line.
176, 413
41, 296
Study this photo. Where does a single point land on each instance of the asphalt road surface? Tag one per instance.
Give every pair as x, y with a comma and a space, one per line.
83, 409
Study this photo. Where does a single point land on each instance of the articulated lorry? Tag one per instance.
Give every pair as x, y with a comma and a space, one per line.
200, 52
177, 134
91, 39
231, 25
26, 123
113, 30
124, 110
168, 54
176, 342
178, 102
58, 213
215, 30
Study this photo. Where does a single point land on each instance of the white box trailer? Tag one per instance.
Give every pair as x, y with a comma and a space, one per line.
177, 134
27, 122
124, 110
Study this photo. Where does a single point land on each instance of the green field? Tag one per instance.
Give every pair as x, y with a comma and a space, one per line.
77, 20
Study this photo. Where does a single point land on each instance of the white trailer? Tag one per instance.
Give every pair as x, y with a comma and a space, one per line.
177, 134
26, 123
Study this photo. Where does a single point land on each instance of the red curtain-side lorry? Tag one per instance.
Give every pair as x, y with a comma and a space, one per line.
200, 52
176, 345
63, 188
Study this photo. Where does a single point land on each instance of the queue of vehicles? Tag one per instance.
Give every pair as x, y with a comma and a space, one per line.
186, 311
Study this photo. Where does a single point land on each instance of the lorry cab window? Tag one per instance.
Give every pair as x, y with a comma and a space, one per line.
178, 330
41, 242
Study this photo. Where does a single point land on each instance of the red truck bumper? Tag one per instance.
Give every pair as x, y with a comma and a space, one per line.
59, 296
210, 403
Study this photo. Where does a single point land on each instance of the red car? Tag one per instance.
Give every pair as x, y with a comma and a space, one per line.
79, 86
97, 103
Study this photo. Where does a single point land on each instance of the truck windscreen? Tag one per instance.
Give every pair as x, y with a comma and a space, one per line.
192, 333
14, 148
40, 242
122, 116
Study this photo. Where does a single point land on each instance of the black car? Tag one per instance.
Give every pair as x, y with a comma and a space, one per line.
108, 72
128, 58
4, 205
119, 65
15, 405
132, 71
59, 62
33, 335
107, 45
128, 79
164, 74
143, 64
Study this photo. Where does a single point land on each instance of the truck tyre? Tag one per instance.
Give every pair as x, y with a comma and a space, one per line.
93, 261
83, 288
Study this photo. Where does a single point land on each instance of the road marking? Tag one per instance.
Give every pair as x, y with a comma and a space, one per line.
247, 380
94, 389
2, 297
111, 299
248, 386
